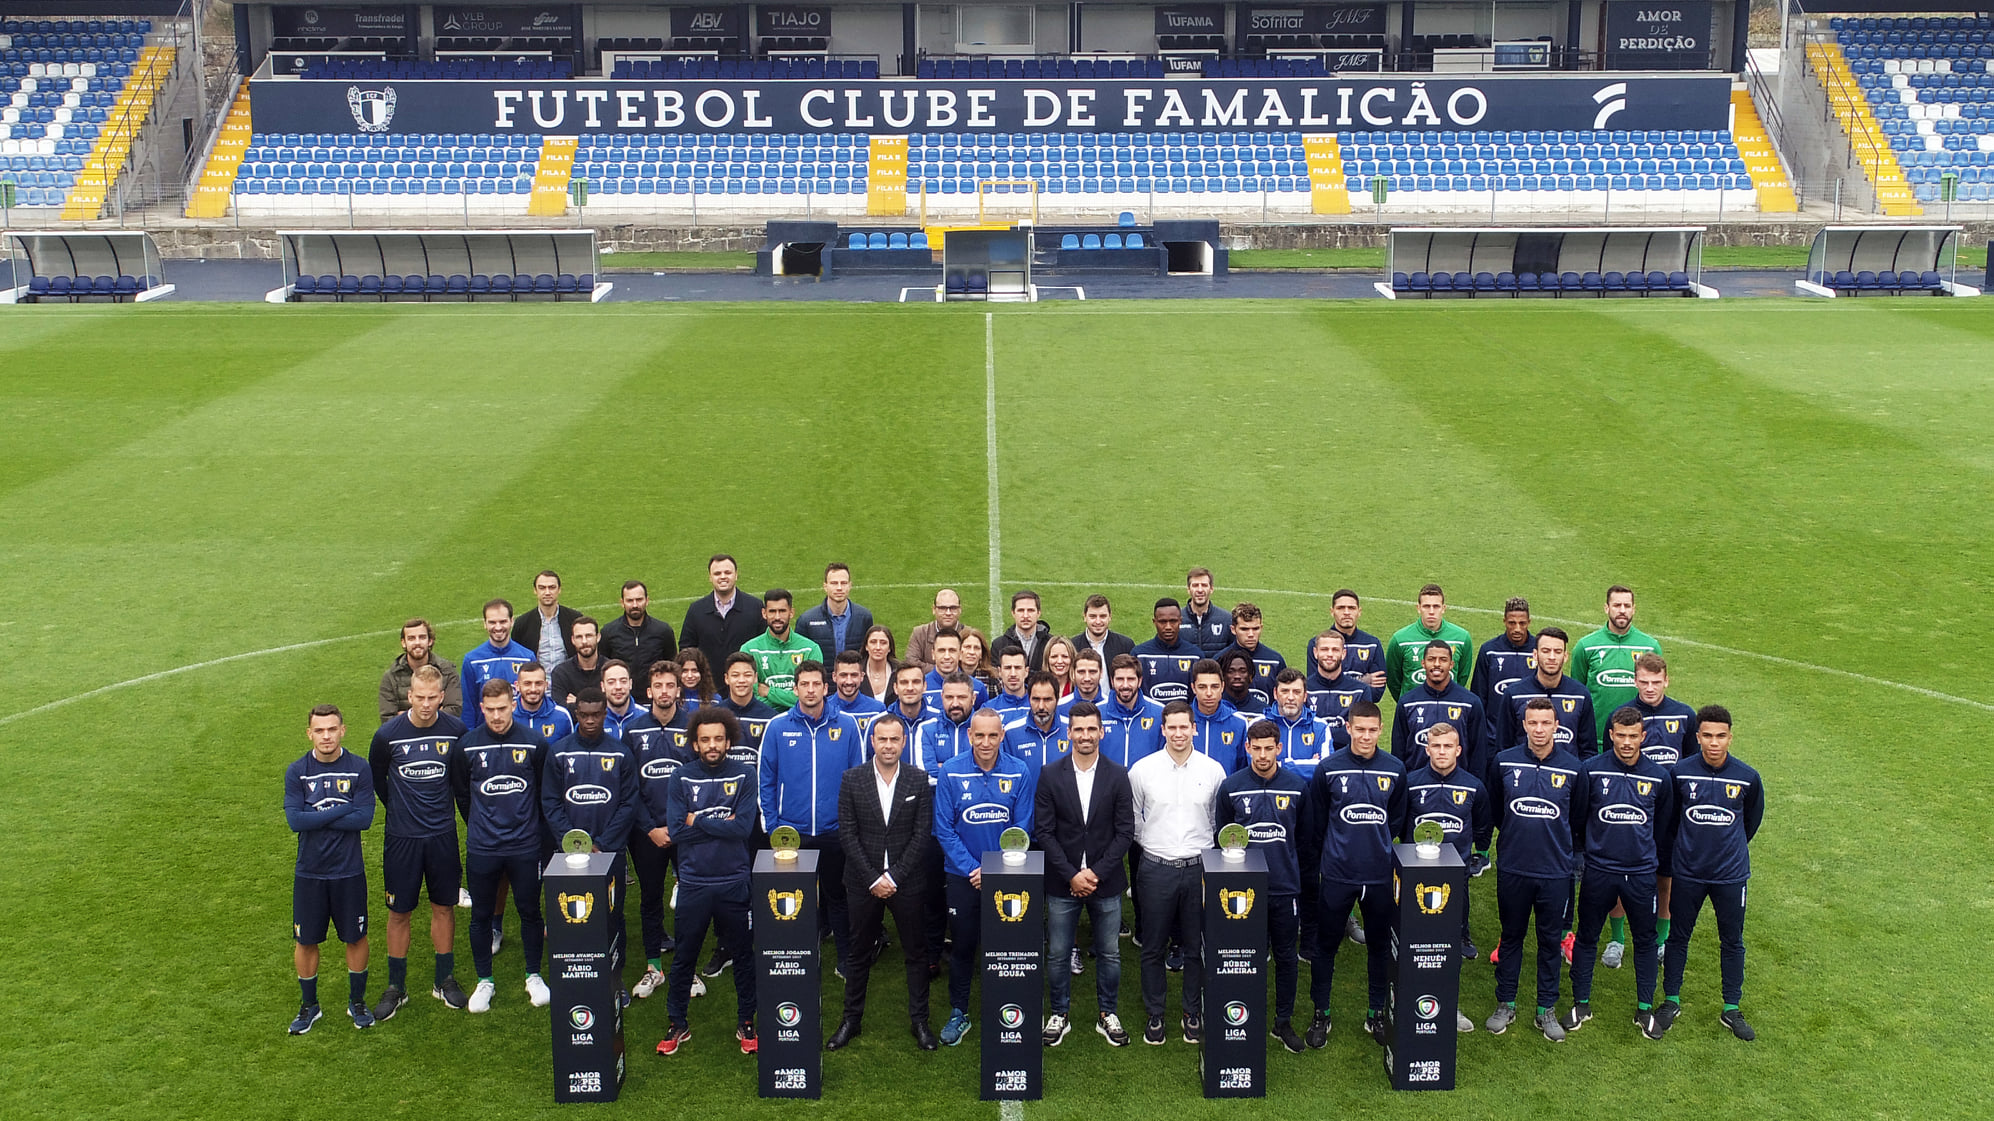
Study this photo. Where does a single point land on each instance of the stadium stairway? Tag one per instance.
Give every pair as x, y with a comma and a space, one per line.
1328, 189
886, 175
211, 195
85, 201
550, 178
1769, 177
1865, 135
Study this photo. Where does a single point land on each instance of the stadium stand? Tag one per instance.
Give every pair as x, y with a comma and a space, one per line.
771, 69
625, 169
447, 70
441, 172
61, 81
1435, 166
965, 69
1927, 88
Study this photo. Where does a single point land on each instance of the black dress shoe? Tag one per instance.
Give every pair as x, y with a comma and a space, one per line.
848, 1030
924, 1038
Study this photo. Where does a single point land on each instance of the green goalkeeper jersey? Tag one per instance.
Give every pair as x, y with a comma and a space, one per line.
1407, 649
1604, 663
776, 662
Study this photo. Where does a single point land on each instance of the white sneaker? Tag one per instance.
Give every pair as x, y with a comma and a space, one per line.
481, 997
1077, 964
463, 897
498, 938
536, 990
675, 895
1055, 1031
648, 983
698, 985
1614, 955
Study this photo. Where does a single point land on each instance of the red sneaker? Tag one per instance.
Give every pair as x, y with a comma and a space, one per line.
746, 1034
1495, 953
674, 1038
1566, 945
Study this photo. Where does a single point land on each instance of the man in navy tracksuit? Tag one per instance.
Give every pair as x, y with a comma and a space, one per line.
590, 783
1439, 699
1363, 653
1577, 732
1720, 803
660, 743
1266, 797
495, 773
328, 803
1444, 792
1534, 863
1671, 728
1508, 657
1167, 659
410, 757
805, 754
1267, 662
751, 712
1333, 688
710, 810
1206, 625
1356, 804
1622, 803
978, 794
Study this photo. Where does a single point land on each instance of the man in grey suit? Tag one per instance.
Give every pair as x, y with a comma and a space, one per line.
885, 815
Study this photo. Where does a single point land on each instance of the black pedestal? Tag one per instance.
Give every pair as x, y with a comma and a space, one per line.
1426, 967
1013, 957
789, 1017
1235, 1040
585, 950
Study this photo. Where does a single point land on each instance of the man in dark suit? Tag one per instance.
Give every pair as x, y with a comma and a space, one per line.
1097, 636
1085, 821
720, 622
551, 623
837, 624
885, 817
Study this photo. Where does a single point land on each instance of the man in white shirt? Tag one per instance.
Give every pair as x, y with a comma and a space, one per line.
885, 811
1084, 819
1176, 805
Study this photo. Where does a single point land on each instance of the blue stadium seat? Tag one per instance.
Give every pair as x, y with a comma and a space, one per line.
896, 240
1069, 241
1090, 241
876, 241
856, 241
1112, 241
1133, 241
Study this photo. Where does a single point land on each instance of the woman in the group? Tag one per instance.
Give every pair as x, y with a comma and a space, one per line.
976, 658
695, 679
1059, 655
879, 654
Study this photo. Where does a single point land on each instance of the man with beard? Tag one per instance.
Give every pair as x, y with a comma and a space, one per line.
778, 651
658, 741
536, 708
418, 650
498, 658
1090, 675
1569, 700
495, 773
805, 753
618, 687
1266, 797
1332, 688
1038, 735
635, 638
1604, 660
1206, 625
848, 694
585, 667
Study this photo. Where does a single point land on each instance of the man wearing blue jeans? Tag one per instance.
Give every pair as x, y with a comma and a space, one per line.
1084, 817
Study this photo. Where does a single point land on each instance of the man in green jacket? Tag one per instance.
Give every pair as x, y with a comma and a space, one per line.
779, 650
1408, 646
1603, 661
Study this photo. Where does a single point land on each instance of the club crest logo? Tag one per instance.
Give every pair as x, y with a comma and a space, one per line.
1184, 664
1011, 1016
519, 755
1147, 721
834, 734
1569, 703
788, 1015
345, 786
1281, 801
731, 787
1344, 701
1460, 797
786, 905
1384, 782
1453, 712
1644, 787
1012, 906
373, 110
1236, 904
1004, 786
1432, 898
1235, 1013
1558, 781
576, 908
1731, 790
1672, 725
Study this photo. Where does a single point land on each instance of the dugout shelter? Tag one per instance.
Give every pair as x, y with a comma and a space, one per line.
1884, 261
432, 265
1540, 261
119, 266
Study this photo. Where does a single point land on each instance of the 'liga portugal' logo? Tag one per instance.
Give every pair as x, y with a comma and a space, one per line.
1011, 1015
581, 1017
1428, 1007
788, 1015
1235, 1013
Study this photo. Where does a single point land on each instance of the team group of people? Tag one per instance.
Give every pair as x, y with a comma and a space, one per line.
1611, 808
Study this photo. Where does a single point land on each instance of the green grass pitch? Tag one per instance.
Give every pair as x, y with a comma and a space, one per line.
1798, 491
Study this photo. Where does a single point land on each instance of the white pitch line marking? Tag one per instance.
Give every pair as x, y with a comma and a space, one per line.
990, 466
